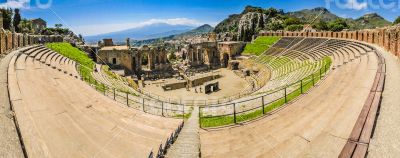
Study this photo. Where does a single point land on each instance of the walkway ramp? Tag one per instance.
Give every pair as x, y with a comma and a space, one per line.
188, 143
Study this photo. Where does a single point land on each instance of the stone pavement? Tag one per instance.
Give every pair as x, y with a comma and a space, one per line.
9, 142
386, 139
188, 142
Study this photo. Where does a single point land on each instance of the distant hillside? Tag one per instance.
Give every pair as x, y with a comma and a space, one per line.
142, 33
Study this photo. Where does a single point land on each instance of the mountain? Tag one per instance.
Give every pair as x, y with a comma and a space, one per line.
142, 33
369, 21
254, 19
203, 29
308, 15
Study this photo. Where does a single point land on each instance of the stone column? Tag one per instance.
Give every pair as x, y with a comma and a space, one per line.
151, 59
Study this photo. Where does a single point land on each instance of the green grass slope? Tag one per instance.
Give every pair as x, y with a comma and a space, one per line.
260, 45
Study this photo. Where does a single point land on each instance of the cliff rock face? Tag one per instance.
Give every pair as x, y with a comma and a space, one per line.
250, 24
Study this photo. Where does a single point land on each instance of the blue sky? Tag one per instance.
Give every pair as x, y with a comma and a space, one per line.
91, 17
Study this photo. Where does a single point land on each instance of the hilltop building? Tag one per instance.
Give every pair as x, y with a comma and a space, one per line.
38, 25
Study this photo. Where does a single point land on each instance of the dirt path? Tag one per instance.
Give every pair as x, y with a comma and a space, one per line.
386, 139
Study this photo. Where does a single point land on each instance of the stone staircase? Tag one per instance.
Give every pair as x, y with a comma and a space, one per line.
188, 143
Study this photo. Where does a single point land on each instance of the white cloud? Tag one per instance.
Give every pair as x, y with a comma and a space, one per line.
106, 28
15, 4
354, 4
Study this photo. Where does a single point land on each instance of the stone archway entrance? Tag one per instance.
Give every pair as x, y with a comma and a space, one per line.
225, 60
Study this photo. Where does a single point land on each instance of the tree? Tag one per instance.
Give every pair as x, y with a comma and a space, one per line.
26, 26
397, 21
7, 18
58, 26
17, 20
274, 26
292, 21
261, 21
271, 12
321, 26
172, 56
338, 25
294, 27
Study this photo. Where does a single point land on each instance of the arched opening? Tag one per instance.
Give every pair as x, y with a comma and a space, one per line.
134, 66
145, 60
225, 60
157, 60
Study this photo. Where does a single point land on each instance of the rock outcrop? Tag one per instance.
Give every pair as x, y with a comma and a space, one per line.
250, 24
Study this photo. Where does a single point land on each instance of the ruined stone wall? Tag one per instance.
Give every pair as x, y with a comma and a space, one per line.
387, 38
123, 58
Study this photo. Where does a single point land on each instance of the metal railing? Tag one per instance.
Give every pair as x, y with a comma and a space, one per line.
255, 107
162, 150
147, 105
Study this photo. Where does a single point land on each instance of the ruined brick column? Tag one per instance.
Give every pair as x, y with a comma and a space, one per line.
386, 38
365, 39
14, 37
3, 45
370, 36
9, 40
375, 38
20, 40
356, 35
381, 37
393, 42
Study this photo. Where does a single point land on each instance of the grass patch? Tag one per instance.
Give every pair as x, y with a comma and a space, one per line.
87, 64
207, 121
259, 45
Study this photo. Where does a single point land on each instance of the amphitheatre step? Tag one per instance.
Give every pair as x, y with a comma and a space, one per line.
10, 145
188, 143
55, 105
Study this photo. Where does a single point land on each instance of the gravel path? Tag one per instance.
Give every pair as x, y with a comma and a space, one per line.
9, 142
386, 140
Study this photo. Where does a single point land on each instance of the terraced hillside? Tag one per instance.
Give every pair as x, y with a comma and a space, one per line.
61, 116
